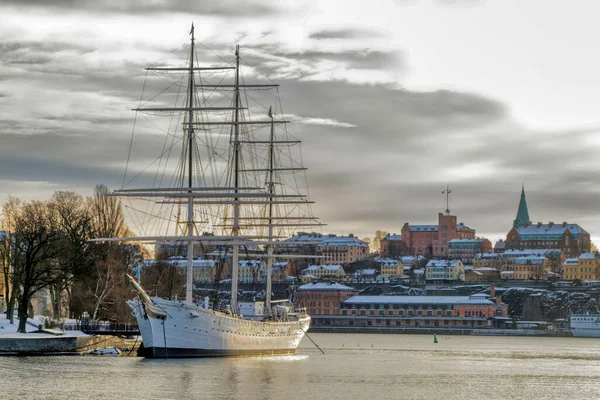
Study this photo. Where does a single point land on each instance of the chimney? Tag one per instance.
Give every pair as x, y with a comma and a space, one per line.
564, 224
539, 224
550, 224
498, 300
492, 290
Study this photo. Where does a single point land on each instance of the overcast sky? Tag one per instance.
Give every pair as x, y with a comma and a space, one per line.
397, 99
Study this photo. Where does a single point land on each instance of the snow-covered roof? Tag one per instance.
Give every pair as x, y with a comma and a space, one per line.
429, 300
250, 263
466, 241
537, 260
548, 229
488, 256
338, 241
410, 259
330, 267
443, 263
302, 239
281, 264
482, 269
423, 228
530, 252
386, 262
392, 237
322, 286
588, 256
366, 271
571, 261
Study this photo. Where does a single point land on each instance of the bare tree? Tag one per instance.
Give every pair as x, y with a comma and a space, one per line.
75, 259
36, 247
164, 279
108, 276
9, 212
107, 214
376, 243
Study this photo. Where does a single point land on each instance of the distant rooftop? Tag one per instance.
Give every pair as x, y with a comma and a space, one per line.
423, 228
337, 241
551, 229
392, 237
442, 263
425, 300
322, 286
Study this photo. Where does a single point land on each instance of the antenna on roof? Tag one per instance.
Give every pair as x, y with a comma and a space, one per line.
447, 192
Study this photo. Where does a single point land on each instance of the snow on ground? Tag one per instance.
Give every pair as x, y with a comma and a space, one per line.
8, 330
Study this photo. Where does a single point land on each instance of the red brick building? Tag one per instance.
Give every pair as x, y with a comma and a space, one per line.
570, 238
433, 240
324, 297
392, 246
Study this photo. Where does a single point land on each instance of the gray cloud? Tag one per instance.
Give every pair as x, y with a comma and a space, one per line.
348, 33
378, 154
223, 8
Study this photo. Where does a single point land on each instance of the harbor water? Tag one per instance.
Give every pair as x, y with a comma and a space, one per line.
354, 366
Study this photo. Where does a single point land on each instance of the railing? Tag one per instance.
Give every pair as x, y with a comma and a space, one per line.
103, 328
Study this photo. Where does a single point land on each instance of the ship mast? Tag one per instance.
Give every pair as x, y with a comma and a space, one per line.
271, 186
236, 185
189, 282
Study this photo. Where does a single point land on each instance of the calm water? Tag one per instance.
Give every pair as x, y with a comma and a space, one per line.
355, 366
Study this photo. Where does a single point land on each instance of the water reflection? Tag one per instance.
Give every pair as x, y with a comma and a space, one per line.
353, 367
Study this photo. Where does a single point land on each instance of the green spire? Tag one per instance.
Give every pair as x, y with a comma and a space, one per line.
522, 213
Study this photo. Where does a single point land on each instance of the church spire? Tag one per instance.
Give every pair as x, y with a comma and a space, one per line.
522, 213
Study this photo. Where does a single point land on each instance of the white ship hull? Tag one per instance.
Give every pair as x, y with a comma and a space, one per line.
585, 325
178, 330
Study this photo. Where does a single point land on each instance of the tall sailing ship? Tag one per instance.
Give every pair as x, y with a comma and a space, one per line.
238, 184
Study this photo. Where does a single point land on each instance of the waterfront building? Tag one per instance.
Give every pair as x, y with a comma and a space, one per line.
204, 270
505, 261
279, 273
466, 249
528, 268
391, 268
301, 243
249, 270
324, 298
335, 271
441, 271
366, 274
392, 246
571, 238
342, 249
570, 269
432, 240
589, 267
476, 311
500, 246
